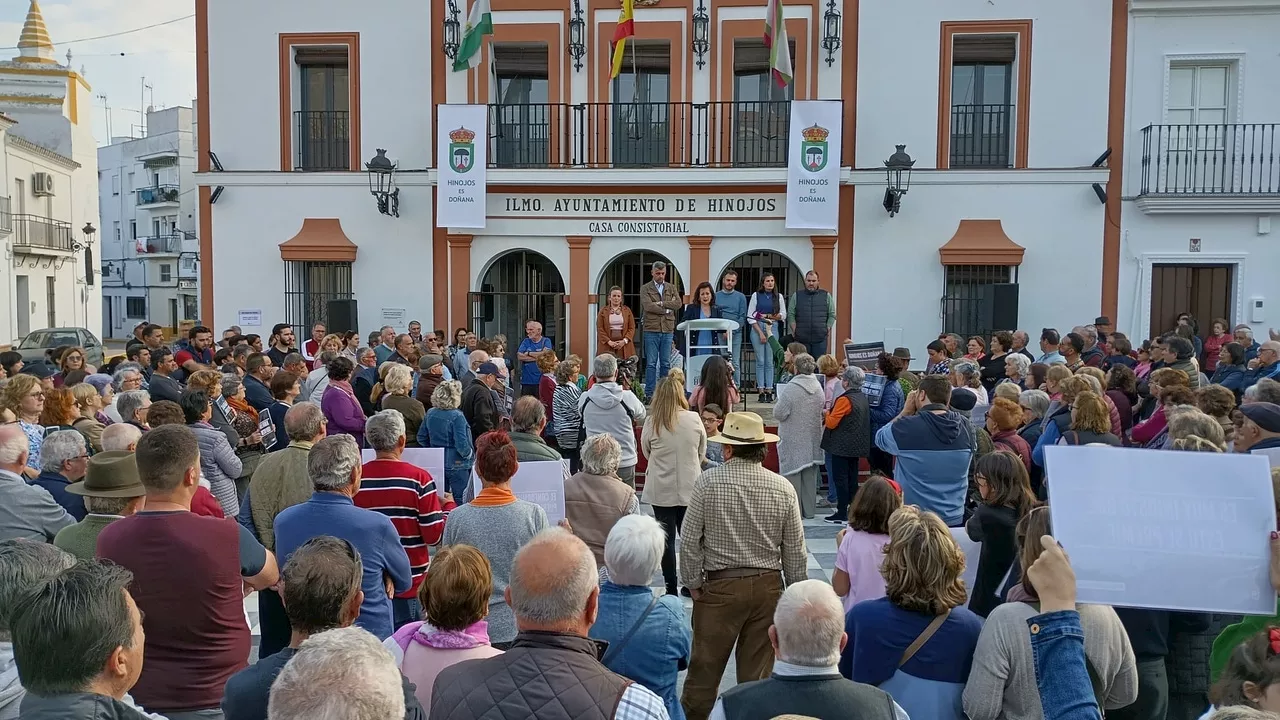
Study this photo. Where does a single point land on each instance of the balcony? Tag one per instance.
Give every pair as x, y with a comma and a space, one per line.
981, 136
640, 135
323, 139
32, 232
158, 195
170, 244
1210, 168
6, 217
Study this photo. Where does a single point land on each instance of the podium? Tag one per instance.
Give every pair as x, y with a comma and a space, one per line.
693, 363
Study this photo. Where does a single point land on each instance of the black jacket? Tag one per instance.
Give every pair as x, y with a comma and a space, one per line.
995, 528
694, 312
852, 437
257, 393
246, 693
479, 408
163, 387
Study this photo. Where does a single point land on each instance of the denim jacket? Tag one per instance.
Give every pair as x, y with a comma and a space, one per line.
653, 654
448, 429
1057, 641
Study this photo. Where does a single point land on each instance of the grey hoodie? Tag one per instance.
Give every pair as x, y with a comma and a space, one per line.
605, 408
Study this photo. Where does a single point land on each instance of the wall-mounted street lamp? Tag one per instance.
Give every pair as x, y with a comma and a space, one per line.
451, 28
701, 34
577, 36
831, 31
897, 171
382, 183
89, 231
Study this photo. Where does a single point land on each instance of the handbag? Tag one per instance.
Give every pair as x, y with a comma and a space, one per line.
923, 637
616, 648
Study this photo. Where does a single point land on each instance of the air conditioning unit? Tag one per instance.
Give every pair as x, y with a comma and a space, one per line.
42, 184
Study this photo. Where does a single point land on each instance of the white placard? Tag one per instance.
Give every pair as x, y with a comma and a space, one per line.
462, 145
249, 318
1272, 454
429, 459
541, 483
396, 318
1163, 529
813, 165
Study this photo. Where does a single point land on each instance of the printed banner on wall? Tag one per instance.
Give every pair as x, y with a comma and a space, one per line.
813, 165
462, 151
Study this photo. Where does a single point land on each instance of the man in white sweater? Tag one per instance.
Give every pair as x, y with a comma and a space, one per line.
607, 407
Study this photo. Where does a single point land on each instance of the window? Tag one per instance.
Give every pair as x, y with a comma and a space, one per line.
190, 308
522, 114
135, 307
981, 100
641, 97
51, 297
115, 227
761, 109
166, 272
187, 265
324, 108
132, 185
308, 288
133, 229
968, 299
115, 184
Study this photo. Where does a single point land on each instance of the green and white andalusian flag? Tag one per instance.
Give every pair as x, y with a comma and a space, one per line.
479, 24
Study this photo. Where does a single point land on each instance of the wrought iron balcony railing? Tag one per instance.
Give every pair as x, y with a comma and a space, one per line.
158, 194
34, 231
1229, 159
323, 140
981, 136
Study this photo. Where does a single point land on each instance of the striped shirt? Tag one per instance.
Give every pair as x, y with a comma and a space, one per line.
407, 495
565, 415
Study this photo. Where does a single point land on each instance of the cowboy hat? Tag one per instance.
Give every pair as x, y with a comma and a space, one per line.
111, 474
743, 428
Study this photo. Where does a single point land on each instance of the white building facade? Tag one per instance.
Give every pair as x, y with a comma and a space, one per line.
1005, 110
150, 254
1202, 167
48, 192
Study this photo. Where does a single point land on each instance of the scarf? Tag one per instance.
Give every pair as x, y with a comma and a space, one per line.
242, 406
423, 633
494, 496
344, 386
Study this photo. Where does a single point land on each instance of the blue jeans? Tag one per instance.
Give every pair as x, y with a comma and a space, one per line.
657, 359
764, 362
817, 349
405, 611
1057, 641
456, 481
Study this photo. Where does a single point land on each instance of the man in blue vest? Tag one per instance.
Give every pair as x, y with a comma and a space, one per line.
733, 306
813, 313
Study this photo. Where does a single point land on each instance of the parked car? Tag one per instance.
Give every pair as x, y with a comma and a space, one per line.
38, 342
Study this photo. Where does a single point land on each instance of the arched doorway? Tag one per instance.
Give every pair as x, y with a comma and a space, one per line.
630, 271
519, 286
751, 266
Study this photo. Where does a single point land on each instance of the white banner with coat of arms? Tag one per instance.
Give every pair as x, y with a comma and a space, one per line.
813, 165
462, 155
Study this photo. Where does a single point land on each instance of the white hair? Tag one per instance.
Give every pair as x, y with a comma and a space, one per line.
332, 461
13, 445
601, 455
384, 430
1037, 401
59, 447
605, 367
809, 620
128, 403
303, 421
399, 380
1021, 363
633, 550
342, 674
561, 597
123, 370
853, 378
120, 436
804, 364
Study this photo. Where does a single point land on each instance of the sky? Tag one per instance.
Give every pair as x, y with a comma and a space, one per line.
115, 66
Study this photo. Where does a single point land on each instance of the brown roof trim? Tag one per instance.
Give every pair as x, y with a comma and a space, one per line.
981, 242
319, 240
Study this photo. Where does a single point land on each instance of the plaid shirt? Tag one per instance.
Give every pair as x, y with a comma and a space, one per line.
639, 703
742, 516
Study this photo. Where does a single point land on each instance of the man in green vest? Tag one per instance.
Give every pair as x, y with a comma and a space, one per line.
813, 313
112, 490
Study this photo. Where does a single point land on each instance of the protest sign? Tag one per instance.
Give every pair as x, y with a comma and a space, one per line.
873, 388
863, 355
541, 483
429, 459
1186, 531
1272, 454
267, 429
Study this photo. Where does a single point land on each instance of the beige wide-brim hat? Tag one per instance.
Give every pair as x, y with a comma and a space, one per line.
744, 428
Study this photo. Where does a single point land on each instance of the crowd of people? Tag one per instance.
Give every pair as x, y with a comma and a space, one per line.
141, 503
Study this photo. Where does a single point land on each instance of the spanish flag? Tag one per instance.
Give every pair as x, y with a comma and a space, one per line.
626, 28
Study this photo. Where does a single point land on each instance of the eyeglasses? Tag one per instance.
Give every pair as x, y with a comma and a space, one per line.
37, 394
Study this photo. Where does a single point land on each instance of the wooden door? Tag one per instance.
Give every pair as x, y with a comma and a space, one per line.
1202, 290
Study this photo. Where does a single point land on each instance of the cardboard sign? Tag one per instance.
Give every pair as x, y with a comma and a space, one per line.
541, 483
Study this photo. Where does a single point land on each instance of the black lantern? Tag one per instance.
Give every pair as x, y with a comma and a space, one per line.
701, 34
897, 171
451, 32
831, 31
89, 231
382, 183
577, 36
